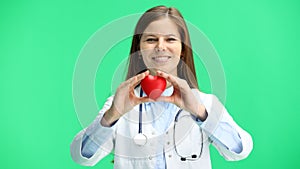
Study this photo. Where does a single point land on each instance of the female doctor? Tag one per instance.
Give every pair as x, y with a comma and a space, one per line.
172, 131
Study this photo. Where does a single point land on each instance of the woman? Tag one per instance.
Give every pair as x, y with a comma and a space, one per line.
176, 129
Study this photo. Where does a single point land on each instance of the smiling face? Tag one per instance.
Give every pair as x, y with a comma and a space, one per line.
160, 46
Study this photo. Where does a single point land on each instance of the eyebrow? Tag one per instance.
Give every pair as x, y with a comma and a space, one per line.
152, 34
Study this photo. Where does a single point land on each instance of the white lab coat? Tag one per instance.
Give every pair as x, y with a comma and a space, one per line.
119, 138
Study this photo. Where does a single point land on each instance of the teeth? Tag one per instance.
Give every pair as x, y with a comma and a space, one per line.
161, 59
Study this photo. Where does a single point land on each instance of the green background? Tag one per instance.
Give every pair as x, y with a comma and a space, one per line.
257, 41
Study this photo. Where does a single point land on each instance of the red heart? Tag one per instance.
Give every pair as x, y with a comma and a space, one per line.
153, 86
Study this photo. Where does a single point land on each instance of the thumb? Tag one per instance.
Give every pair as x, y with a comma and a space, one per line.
146, 99
164, 99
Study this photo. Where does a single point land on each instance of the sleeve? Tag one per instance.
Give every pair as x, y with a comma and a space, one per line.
225, 135
232, 142
94, 142
88, 147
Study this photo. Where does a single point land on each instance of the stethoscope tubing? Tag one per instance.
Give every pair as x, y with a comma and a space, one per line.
140, 113
141, 139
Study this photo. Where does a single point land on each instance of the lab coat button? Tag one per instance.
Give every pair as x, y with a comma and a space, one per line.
150, 158
168, 143
170, 155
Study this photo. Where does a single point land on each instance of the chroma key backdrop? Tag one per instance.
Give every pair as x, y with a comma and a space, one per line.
255, 46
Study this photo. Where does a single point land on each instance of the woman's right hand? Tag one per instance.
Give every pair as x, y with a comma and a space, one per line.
124, 99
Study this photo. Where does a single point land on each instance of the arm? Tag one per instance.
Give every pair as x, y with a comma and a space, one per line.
232, 142
216, 118
94, 142
227, 136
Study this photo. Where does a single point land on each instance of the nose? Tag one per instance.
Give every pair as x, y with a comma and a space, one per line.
161, 46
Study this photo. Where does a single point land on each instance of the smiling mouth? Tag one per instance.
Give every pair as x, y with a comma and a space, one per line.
161, 59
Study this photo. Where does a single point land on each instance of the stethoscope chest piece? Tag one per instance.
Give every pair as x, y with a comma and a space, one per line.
140, 139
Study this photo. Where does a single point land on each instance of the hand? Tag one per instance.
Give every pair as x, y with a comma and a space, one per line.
124, 99
183, 96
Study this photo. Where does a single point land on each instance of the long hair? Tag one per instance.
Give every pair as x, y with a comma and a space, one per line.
185, 67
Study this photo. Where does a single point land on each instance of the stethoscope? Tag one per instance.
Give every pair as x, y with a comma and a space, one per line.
141, 139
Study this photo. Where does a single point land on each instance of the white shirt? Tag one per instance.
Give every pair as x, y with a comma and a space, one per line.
158, 124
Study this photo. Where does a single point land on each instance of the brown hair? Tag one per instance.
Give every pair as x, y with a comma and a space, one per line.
186, 67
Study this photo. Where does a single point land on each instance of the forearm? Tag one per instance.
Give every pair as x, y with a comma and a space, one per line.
87, 142
225, 135
230, 139
110, 117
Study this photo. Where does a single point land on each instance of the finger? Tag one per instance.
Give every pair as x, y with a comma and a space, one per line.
145, 99
165, 99
170, 78
138, 78
139, 100
133, 81
130, 80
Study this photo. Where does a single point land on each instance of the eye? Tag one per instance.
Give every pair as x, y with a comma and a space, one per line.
171, 39
151, 39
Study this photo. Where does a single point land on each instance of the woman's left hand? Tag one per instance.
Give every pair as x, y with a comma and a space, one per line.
183, 96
